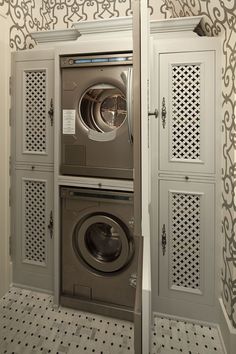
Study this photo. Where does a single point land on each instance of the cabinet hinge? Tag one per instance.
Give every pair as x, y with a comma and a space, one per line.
10, 197
9, 165
9, 117
10, 246
51, 112
10, 85
50, 224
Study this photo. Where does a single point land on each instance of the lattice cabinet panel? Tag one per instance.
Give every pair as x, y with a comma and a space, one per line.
34, 221
35, 111
33, 244
186, 240
33, 97
187, 112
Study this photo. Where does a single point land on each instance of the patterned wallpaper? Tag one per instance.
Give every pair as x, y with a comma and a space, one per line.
220, 20
37, 15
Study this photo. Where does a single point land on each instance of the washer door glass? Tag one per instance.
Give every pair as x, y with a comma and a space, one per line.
103, 108
102, 242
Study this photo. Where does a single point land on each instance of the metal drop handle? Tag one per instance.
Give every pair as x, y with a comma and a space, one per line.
163, 239
50, 225
163, 113
51, 112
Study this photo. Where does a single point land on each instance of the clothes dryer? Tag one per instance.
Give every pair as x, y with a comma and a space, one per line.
96, 105
99, 253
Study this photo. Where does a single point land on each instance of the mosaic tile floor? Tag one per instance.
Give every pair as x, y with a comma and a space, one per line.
174, 337
30, 325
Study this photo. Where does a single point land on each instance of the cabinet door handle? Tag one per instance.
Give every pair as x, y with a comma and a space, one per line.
163, 239
163, 113
155, 113
51, 112
50, 225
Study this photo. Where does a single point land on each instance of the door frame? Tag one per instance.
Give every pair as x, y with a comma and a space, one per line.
5, 274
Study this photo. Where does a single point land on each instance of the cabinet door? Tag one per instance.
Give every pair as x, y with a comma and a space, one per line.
33, 91
187, 126
33, 244
186, 241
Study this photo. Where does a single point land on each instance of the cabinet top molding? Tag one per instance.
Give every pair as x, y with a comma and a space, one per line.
42, 37
104, 26
125, 24
114, 26
179, 24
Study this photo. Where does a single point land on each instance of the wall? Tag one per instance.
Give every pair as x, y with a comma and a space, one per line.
220, 20
35, 15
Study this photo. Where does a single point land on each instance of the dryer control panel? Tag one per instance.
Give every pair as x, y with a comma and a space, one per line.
96, 60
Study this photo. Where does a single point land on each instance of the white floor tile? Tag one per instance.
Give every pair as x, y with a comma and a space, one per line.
173, 336
29, 324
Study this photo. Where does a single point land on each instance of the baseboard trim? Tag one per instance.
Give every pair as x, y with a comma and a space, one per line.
228, 332
32, 288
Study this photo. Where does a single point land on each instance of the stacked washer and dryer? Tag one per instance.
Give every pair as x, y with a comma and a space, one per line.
99, 252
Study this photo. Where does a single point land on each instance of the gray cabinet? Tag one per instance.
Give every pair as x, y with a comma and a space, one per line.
186, 237
185, 173
33, 111
187, 129
32, 169
33, 244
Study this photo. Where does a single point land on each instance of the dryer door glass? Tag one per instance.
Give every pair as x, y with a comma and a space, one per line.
103, 108
102, 242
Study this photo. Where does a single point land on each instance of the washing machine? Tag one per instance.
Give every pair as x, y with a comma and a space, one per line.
96, 102
99, 253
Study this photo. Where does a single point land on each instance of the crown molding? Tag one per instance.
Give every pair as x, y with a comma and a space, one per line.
187, 24
42, 37
180, 24
113, 25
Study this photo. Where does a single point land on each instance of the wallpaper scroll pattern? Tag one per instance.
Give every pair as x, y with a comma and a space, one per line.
220, 20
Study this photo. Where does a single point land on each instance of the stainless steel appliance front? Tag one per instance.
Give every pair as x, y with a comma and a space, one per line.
97, 116
99, 253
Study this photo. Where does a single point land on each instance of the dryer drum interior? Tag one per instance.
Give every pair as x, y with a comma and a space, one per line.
103, 243
103, 108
